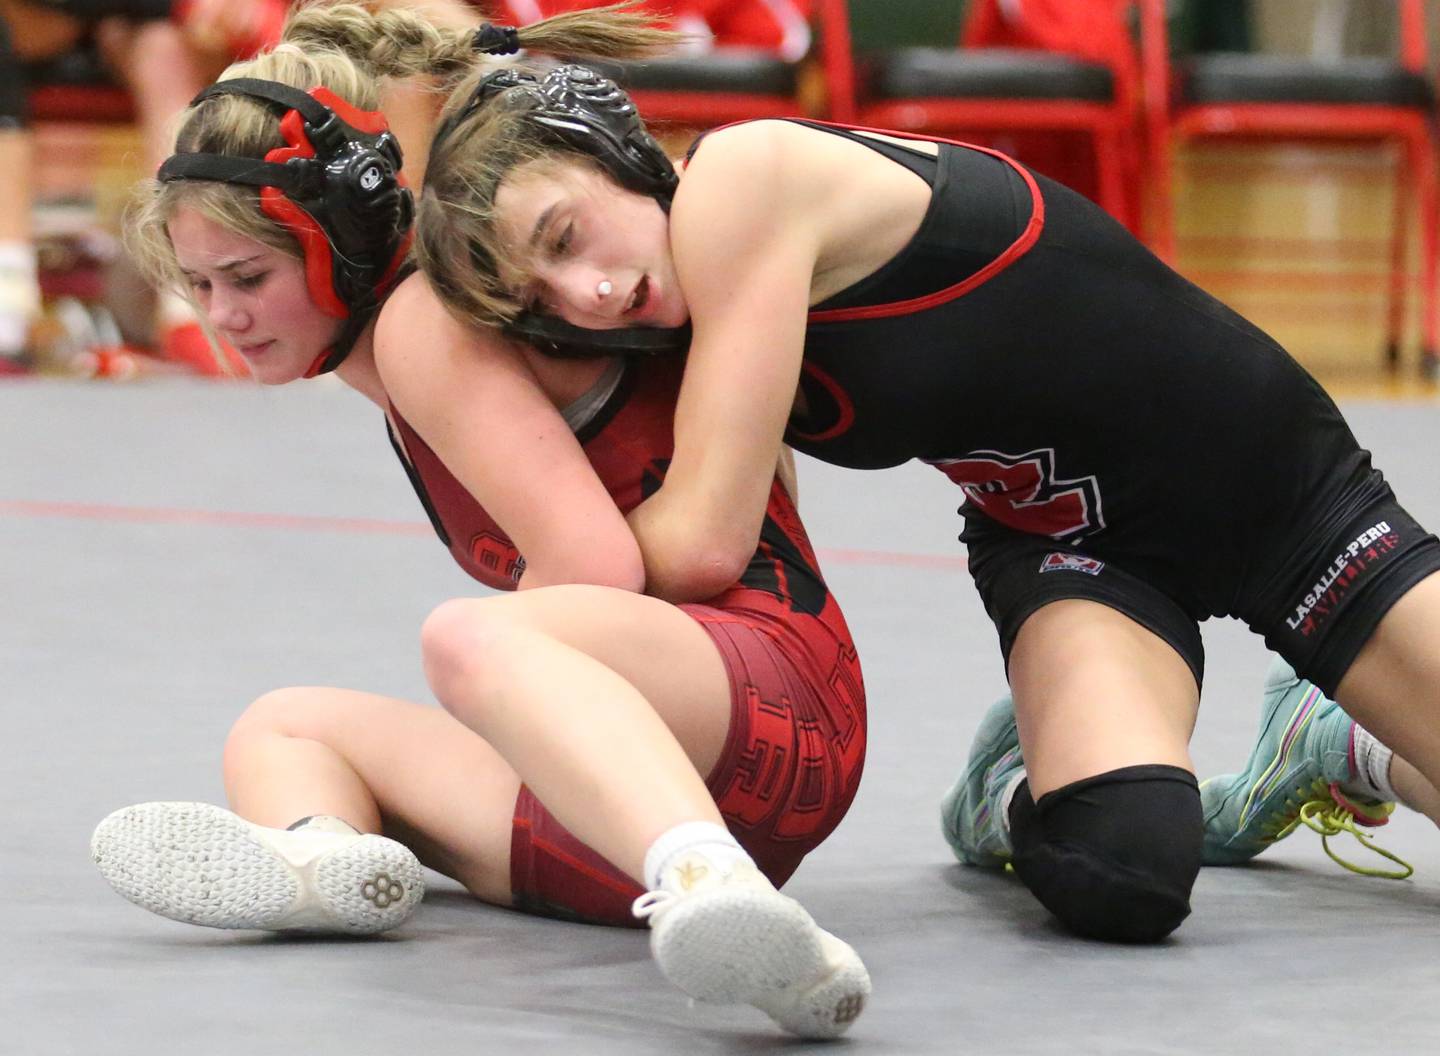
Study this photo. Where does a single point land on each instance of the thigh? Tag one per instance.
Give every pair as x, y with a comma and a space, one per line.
1393, 686
655, 646
1095, 691
441, 789
1326, 608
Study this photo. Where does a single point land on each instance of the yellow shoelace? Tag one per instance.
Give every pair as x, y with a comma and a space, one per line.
1329, 818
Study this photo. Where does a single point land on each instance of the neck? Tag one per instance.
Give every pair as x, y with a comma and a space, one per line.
359, 371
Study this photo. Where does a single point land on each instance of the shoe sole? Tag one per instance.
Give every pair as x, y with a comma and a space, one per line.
826, 1008
763, 949
199, 864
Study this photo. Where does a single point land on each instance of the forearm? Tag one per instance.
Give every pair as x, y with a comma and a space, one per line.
689, 556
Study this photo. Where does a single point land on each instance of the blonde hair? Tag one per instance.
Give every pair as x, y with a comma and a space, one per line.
348, 48
340, 46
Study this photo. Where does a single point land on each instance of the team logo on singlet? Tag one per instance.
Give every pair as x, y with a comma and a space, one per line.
1058, 562
1024, 492
1359, 557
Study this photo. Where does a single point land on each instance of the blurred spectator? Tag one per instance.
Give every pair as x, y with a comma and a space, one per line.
19, 289
162, 52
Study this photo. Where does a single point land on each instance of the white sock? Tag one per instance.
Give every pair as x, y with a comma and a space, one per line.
325, 823
1372, 766
711, 840
1007, 797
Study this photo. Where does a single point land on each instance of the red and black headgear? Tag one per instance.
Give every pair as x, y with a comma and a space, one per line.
336, 185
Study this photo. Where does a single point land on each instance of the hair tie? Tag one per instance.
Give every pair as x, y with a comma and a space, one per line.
496, 40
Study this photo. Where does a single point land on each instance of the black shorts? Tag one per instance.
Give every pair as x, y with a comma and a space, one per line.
1317, 618
1017, 574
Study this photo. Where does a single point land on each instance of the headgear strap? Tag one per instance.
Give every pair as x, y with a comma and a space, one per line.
335, 185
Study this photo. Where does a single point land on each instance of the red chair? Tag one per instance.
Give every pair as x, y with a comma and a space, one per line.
1387, 102
990, 91
713, 88
75, 87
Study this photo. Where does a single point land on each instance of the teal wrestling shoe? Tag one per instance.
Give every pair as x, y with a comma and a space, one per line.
971, 813
1302, 758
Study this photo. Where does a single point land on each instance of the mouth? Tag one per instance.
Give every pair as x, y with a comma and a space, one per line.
638, 296
251, 351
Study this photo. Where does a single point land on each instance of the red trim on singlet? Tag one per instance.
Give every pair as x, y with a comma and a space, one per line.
1012, 253
562, 854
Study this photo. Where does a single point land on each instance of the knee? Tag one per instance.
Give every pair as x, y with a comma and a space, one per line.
466, 644
272, 715
1113, 856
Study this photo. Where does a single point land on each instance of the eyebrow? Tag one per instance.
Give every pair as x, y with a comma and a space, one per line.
542, 223
226, 267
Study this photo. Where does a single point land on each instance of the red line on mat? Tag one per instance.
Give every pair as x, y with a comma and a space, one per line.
92, 511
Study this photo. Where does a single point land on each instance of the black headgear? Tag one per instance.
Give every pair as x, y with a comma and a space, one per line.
336, 186
580, 109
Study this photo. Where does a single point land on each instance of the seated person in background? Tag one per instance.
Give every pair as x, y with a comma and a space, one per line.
163, 52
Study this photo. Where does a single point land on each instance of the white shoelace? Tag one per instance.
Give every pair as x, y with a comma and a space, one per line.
652, 903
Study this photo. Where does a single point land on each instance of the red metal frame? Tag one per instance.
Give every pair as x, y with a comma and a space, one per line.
1418, 186
701, 109
1114, 131
65, 102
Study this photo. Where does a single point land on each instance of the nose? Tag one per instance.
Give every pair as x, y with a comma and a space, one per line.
586, 291
225, 310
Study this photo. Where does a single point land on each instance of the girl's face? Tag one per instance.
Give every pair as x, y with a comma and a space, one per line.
254, 296
579, 246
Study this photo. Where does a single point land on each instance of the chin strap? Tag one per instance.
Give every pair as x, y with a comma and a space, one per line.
561, 340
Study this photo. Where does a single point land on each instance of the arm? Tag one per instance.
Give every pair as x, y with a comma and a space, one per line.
480, 408
748, 294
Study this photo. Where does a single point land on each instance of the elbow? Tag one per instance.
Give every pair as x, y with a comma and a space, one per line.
699, 573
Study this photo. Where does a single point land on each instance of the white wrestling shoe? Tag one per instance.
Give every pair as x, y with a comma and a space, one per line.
730, 938
199, 864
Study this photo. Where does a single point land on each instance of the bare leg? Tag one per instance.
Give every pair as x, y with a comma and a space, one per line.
383, 765
1414, 789
1094, 691
1393, 690
610, 705
1107, 830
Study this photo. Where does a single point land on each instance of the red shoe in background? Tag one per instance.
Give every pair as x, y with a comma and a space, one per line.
187, 344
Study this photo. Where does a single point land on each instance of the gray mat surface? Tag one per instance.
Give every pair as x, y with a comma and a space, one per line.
137, 625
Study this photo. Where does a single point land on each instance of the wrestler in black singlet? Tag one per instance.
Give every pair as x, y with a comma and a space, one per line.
1119, 434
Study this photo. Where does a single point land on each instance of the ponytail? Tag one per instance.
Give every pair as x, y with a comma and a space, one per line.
398, 42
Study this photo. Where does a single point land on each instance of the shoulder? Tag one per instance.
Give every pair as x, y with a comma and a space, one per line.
749, 151
754, 182
420, 347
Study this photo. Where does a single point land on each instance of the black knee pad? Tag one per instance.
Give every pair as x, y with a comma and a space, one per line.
12, 82
1113, 856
